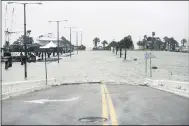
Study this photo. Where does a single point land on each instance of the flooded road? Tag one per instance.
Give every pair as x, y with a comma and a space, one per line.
105, 65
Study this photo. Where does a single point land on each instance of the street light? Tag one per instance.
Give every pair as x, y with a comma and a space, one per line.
58, 34
25, 64
70, 37
77, 38
81, 36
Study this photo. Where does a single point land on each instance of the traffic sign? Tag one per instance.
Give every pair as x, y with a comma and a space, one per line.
149, 55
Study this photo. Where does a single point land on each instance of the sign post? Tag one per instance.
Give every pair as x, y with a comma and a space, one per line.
45, 67
147, 56
150, 66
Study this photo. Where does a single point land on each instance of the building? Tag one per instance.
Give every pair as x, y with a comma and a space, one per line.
47, 38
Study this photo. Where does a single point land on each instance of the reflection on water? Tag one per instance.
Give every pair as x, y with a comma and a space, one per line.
105, 65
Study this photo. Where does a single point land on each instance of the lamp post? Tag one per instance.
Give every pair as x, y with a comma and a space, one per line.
25, 47
70, 37
58, 34
81, 36
77, 38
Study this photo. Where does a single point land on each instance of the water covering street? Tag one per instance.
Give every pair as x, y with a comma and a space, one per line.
105, 65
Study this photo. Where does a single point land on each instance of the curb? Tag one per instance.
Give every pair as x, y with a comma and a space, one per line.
174, 91
175, 87
13, 89
25, 91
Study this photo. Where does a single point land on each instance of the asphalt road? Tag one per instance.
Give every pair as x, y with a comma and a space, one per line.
120, 104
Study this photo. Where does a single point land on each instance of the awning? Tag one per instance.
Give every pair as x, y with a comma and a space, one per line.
49, 45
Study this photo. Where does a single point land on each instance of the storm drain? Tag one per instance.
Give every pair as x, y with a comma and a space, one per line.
92, 119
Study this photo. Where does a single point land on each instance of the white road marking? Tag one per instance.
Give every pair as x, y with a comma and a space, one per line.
42, 101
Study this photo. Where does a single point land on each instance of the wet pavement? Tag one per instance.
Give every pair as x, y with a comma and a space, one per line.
89, 104
92, 103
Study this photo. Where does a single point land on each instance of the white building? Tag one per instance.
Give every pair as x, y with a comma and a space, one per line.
45, 39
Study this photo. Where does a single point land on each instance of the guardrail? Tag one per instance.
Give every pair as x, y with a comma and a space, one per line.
176, 87
22, 87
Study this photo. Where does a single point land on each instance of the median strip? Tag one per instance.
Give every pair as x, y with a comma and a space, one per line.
107, 98
104, 105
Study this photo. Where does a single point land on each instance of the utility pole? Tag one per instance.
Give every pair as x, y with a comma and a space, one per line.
58, 35
77, 41
25, 64
146, 61
81, 37
146, 57
70, 38
70, 42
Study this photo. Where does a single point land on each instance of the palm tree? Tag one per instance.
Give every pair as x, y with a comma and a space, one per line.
120, 47
167, 42
6, 45
96, 40
114, 45
145, 36
158, 43
117, 46
29, 40
141, 44
183, 41
149, 42
153, 40
173, 43
145, 41
153, 34
28, 32
104, 43
128, 43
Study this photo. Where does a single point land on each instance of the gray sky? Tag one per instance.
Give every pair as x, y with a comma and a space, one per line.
107, 20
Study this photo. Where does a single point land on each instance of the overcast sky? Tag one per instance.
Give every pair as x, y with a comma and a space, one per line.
107, 20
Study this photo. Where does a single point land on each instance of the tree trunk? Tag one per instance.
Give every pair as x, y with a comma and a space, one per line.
125, 53
42, 55
116, 50
168, 46
120, 52
48, 55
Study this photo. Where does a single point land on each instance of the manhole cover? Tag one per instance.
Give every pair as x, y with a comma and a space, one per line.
92, 119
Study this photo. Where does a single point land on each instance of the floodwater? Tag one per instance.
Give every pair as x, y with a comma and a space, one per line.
105, 65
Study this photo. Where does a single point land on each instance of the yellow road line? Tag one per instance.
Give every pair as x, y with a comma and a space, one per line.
111, 108
104, 105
